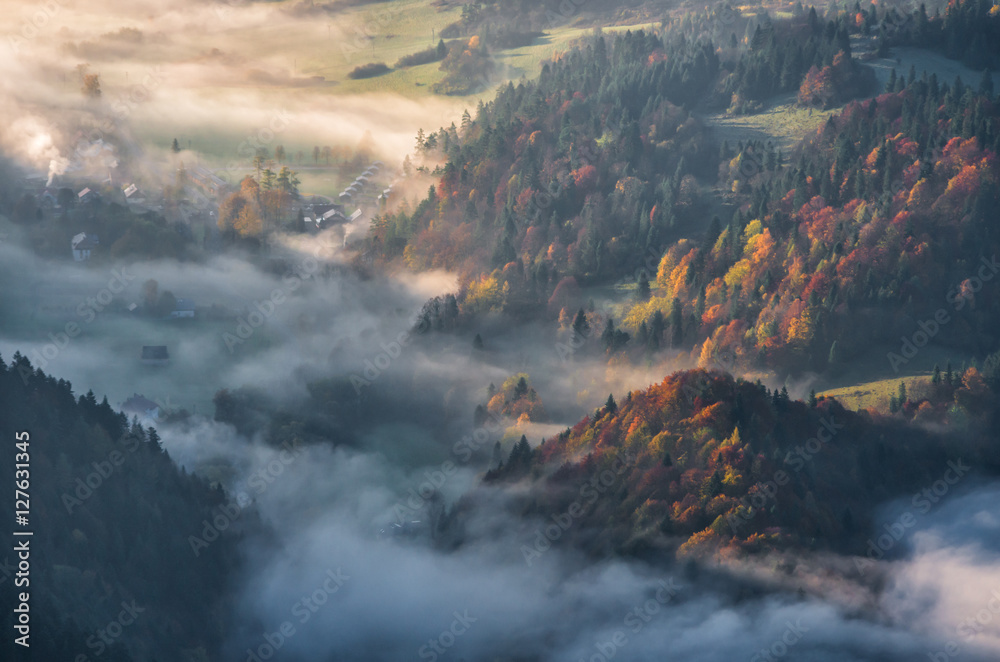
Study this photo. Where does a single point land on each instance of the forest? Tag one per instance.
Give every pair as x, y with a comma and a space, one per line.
116, 511
651, 300
570, 181
722, 467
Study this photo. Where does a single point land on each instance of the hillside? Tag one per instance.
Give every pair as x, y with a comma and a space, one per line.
112, 517
599, 172
706, 464
576, 174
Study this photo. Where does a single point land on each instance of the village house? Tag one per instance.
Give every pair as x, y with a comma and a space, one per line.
82, 244
86, 196
142, 407
208, 182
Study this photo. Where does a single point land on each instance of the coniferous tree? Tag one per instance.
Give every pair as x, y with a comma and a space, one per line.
581, 327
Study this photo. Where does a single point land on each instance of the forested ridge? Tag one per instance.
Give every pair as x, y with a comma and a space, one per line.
111, 515
886, 216
576, 179
703, 463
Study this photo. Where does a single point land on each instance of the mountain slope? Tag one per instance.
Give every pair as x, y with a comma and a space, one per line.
112, 517
705, 463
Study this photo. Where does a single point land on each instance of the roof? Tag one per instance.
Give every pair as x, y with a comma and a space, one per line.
84, 193
139, 403
205, 175
156, 352
319, 210
131, 190
355, 215
184, 304
84, 241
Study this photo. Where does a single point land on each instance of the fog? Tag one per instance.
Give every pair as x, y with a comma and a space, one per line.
400, 592
327, 322
369, 550
224, 78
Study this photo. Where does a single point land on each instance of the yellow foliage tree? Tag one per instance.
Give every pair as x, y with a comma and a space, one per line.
707, 351
800, 330
486, 294
733, 439
248, 223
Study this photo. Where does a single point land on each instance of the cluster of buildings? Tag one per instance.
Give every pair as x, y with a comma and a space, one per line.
362, 188
322, 216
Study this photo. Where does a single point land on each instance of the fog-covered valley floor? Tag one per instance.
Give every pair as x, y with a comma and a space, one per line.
346, 424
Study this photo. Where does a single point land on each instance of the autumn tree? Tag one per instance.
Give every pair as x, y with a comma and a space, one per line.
248, 223
229, 211
91, 86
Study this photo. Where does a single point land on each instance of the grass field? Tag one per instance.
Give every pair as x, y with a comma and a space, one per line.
215, 120
527, 60
782, 121
383, 35
901, 59
876, 395
868, 380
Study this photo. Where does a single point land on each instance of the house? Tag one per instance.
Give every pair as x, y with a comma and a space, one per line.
85, 196
333, 216
183, 308
356, 215
208, 182
141, 406
83, 244
318, 210
134, 197
155, 355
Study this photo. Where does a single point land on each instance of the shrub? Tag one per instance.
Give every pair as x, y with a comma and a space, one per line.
370, 70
